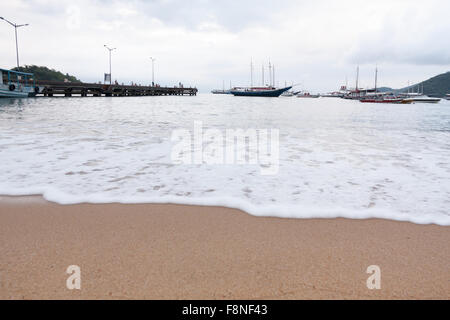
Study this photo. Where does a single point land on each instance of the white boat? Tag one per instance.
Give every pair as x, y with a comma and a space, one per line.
16, 84
447, 96
221, 92
419, 98
306, 94
288, 94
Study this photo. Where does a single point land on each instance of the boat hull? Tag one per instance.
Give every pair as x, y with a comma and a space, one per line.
261, 93
393, 101
310, 97
220, 92
426, 100
23, 85
15, 94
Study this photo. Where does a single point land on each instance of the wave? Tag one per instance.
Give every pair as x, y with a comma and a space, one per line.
274, 210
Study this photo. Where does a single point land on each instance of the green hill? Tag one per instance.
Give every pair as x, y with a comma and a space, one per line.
437, 86
44, 73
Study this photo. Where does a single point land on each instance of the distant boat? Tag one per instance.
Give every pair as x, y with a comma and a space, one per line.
384, 99
336, 94
288, 94
332, 95
447, 96
424, 99
221, 92
419, 97
14, 84
259, 92
307, 95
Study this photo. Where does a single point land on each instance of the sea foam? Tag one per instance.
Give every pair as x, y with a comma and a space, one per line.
337, 158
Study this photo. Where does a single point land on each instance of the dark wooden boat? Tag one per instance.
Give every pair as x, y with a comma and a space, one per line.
386, 100
260, 92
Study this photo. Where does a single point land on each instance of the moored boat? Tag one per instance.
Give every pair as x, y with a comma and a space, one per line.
220, 92
394, 100
14, 84
447, 96
259, 92
424, 99
287, 94
416, 97
307, 95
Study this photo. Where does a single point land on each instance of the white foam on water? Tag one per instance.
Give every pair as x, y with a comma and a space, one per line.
337, 158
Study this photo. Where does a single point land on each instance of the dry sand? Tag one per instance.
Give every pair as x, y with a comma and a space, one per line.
188, 252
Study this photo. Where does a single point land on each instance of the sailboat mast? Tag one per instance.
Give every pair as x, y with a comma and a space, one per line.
262, 84
273, 74
376, 78
251, 73
270, 74
357, 77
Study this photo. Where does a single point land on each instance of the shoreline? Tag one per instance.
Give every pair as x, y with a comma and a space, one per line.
286, 212
164, 251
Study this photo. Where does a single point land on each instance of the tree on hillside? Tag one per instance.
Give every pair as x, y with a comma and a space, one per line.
44, 73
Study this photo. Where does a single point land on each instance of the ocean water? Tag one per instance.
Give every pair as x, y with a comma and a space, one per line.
337, 158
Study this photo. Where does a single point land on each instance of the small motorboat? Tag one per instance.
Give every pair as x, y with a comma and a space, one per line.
418, 98
14, 84
221, 92
288, 94
424, 99
307, 95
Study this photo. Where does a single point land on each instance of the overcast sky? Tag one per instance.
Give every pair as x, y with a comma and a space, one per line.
200, 42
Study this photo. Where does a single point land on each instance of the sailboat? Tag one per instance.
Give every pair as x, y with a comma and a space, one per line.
260, 92
263, 91
223, 91
419, 97
376, 97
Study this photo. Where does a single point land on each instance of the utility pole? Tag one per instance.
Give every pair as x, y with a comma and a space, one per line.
110, 50
153, 70
17, 43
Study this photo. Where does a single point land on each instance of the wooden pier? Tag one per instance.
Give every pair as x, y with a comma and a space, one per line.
70, 89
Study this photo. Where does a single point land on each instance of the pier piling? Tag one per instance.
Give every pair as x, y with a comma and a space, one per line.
70, 89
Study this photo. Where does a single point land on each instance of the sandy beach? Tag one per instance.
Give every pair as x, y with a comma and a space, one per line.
188, 252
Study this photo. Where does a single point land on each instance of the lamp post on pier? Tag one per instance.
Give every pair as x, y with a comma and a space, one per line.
153, 71
17, 45
110, 50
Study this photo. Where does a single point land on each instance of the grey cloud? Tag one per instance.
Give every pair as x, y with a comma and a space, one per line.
232, 15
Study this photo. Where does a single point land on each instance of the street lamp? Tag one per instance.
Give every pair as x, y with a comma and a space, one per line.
110, 50
153, 70
17, 46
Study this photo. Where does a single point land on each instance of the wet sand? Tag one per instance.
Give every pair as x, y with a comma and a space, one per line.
153, 251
